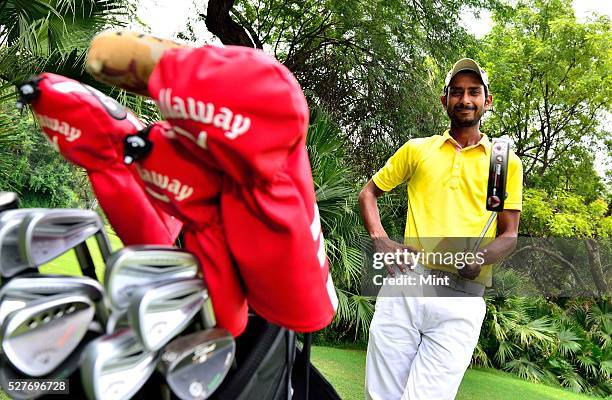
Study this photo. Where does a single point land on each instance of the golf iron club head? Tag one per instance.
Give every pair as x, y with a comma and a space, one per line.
46, 234
11, 262
37, 338
66, 370
19, 291
136, 266
159, 312
116, 366
195, 365
8, 201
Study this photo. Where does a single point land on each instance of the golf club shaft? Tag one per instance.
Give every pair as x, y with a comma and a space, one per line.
484, 231
85, 261
104, 245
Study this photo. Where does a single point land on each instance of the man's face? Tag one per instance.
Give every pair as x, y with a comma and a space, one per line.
466, 101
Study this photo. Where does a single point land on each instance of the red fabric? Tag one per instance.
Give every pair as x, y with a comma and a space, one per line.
244, 113
189, 190
81, 127
253, 108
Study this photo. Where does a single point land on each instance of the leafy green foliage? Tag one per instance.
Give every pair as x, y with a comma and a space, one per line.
30, 167
543, 341
552, 88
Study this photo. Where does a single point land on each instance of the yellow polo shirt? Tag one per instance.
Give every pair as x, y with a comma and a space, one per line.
447, 189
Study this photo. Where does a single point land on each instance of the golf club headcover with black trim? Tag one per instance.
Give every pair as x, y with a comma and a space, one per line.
244, 113
190, 190
87, 127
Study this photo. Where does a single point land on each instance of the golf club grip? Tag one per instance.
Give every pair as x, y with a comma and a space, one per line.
498, 173
125, 59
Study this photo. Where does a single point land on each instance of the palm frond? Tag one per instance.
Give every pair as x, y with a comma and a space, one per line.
526, 369
539, 332
364, 307
568, 342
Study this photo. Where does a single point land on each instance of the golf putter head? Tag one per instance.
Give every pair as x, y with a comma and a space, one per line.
21, 290
11, 262
498, 173
136, 266
196, 364
37, 338
160, 312
64, 371
116, 366
8, 201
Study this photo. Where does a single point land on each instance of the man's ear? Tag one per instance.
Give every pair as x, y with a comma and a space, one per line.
443, 100
488, 102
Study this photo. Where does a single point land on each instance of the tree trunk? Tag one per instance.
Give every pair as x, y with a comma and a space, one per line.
219, 23
595, 266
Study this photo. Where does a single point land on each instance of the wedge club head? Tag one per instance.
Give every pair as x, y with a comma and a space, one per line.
37, 338
46, 234
116, 366
11, 262
160, 312
195, 365
19, 291
66, 370
136, 266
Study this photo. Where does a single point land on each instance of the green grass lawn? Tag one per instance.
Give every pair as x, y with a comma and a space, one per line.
345, 369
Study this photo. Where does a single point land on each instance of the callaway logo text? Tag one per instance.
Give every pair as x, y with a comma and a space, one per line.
174, 107
58, 126
173, 186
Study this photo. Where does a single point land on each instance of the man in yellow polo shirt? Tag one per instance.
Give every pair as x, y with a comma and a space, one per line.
421, 343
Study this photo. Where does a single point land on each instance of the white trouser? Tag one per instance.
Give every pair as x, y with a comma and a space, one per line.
420, 347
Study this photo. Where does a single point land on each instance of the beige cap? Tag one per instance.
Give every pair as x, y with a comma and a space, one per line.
467, 64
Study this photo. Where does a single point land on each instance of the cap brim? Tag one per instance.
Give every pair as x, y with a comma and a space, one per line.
466, 64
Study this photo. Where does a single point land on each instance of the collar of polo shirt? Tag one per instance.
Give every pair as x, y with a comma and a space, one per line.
484, 141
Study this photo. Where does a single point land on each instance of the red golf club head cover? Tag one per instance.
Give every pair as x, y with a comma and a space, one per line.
87, 128
189, 190
244, 113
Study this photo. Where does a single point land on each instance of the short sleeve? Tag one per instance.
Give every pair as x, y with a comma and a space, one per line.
397, 170
514, 185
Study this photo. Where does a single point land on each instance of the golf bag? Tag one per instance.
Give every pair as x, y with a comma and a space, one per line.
271, 366
268, 365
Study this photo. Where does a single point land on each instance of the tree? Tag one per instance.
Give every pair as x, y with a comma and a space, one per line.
376, 66
552, 88
586, 255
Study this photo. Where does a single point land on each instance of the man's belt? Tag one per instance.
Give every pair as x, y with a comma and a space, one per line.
454, 281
